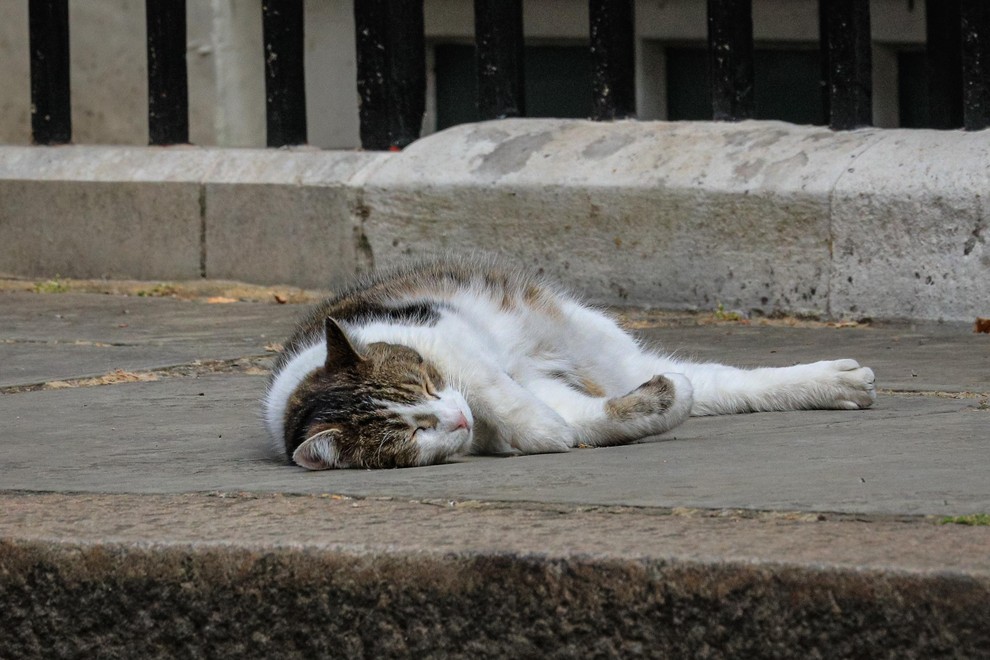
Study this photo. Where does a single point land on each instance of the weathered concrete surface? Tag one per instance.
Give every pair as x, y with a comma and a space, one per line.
752, 215
101, 211
911, 455
150, 518
276, 216
203, 576
68, 335
911, 228
689, 215
197, 430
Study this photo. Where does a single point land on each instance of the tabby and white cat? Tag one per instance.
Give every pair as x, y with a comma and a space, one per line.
415, 365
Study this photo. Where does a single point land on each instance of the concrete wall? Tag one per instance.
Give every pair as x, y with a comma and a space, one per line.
760, 216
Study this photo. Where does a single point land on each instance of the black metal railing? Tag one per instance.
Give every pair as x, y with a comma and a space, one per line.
282, 27
391, 66
168, 90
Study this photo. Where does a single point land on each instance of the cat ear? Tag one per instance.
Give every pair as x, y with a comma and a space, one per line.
319, 452
340, 353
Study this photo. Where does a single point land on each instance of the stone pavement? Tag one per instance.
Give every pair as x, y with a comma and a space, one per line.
135, 477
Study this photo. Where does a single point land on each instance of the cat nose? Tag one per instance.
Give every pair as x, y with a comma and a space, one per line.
461, 422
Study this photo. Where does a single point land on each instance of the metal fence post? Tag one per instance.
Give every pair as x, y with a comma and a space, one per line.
613, 62
407, 71
498, 29
976, 64
51, 113
391, 65
943, 63
168, 89
730, 50
285, 73
850, 82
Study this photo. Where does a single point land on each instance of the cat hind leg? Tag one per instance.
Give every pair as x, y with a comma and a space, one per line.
845, 384
829, 384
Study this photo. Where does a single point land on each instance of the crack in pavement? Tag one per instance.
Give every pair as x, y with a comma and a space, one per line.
250, 365
69, 342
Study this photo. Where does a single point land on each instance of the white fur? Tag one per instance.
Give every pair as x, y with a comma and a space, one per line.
502, 360
303, 363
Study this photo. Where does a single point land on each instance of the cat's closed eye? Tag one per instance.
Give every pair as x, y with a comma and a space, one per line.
417, 387
430, 390
426, 422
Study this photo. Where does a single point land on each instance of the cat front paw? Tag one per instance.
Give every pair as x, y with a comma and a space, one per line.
542, 439
852, 387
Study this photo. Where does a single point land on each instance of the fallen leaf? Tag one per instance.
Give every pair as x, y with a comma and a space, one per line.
279, 299
982, 325
220, 300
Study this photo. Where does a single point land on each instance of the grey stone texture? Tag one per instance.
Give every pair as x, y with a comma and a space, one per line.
151, 518
362, 597
921, 450
756, 216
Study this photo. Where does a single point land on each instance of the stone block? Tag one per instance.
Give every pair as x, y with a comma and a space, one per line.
686, 215
911, 225
101, 212
278, 216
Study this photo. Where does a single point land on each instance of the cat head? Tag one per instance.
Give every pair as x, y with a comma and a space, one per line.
381, 407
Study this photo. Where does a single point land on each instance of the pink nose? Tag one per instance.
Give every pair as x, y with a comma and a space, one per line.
462, 422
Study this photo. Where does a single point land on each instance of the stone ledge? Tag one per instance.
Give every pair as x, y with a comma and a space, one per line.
261, 576
753, 215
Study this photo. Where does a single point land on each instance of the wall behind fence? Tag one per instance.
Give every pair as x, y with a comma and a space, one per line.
226, 74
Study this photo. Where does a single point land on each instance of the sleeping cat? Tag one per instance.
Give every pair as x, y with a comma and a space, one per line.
415, 365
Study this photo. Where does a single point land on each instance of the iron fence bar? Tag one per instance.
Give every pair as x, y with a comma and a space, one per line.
850, 82
826, 67
283, 25
391, 66
613, 65
498, 30
975, 27
407, 71
730, 51
48, 36
372, 73
943, 64
168, 89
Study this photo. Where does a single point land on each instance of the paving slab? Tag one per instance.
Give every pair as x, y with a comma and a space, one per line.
919, 451
909, 455
71, 335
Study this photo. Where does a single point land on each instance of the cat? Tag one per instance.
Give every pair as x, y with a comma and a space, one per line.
415, 365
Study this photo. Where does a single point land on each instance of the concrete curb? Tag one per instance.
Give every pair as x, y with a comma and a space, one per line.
249, 577
755, 216
125, 601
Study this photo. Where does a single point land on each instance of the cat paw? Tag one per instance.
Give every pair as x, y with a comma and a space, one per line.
540, 439
654, 397
669, 396
852, 387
